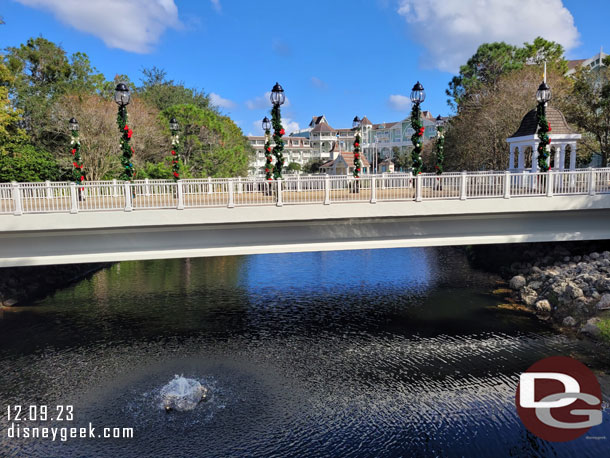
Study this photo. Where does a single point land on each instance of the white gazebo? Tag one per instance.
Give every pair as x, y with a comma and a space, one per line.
563, 141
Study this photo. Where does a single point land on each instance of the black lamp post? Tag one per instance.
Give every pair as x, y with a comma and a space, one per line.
277, 98
122, 97
266, 124
418, 95
77, 160
543, 95
357, 162
175, 129
440, 144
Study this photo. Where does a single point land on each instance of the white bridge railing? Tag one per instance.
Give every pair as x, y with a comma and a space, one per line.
65, 197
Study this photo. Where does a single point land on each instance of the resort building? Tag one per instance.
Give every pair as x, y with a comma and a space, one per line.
592, 63
319, 141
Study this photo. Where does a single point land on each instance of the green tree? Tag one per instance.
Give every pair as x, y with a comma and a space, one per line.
10, 132
589, 109
26, 163
163, 93
492, 60
294, 167
313, 166
211, 144
42, 73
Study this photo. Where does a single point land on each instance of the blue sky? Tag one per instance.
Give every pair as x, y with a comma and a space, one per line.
340, 58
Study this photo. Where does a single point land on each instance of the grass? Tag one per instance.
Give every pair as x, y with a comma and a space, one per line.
604, 327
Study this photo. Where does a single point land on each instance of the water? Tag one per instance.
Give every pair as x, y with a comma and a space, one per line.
363, 353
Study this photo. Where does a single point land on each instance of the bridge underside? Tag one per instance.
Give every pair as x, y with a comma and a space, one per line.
28, 244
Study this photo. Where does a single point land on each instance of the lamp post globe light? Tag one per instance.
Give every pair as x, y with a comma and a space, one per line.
357, 162
418, 95
277, 98
77, 160
174, 126
122, 97
266, 125
440, 144
543, 95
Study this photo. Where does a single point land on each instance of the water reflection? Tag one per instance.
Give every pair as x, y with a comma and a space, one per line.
362, 353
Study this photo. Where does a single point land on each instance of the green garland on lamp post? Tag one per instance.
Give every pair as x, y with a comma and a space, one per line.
77, 160
543, 95
357, 162
277, 99
418, 95
122, 97
268, 157
175, 129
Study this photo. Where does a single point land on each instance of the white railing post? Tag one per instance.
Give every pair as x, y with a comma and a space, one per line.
418, 188
373, 189
507, 185
17, 199
280, 201
327, 190
591, 181
298, 183
231, 203
49, 190
464, 177
383, 180
209, 185
73, 198
146, 187
127, 189
549, 183
115, 189
180, 195
240, 186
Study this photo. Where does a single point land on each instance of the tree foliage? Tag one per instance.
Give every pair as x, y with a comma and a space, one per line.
162, 93
475, 139
493, 60
26, 163
589, 109
211, 144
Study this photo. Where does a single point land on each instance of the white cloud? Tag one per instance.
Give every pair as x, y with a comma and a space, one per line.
216, 5
289, 126
399, 102
130, 25
220, 102
262, 102
317, 82
452, 30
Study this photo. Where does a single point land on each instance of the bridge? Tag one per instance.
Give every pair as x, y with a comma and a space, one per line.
60, 222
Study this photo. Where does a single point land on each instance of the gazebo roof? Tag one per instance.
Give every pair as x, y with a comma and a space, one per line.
529, 123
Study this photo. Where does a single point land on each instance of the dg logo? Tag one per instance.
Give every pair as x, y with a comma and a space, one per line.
559, 399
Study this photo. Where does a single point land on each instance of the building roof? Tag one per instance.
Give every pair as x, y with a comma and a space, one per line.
323, 127
348, 157
529, 123
365, 121
572, 64
385, 125
315, 120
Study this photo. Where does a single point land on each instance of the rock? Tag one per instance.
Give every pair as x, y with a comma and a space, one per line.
528, 296
574, 291
543, 306
9, 302
594, 255
535, 285
566, 259
604, 302
569, 321
576, 258
606, 255
517, 282
590, 330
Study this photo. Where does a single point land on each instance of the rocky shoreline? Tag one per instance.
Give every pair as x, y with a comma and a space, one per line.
570, 291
